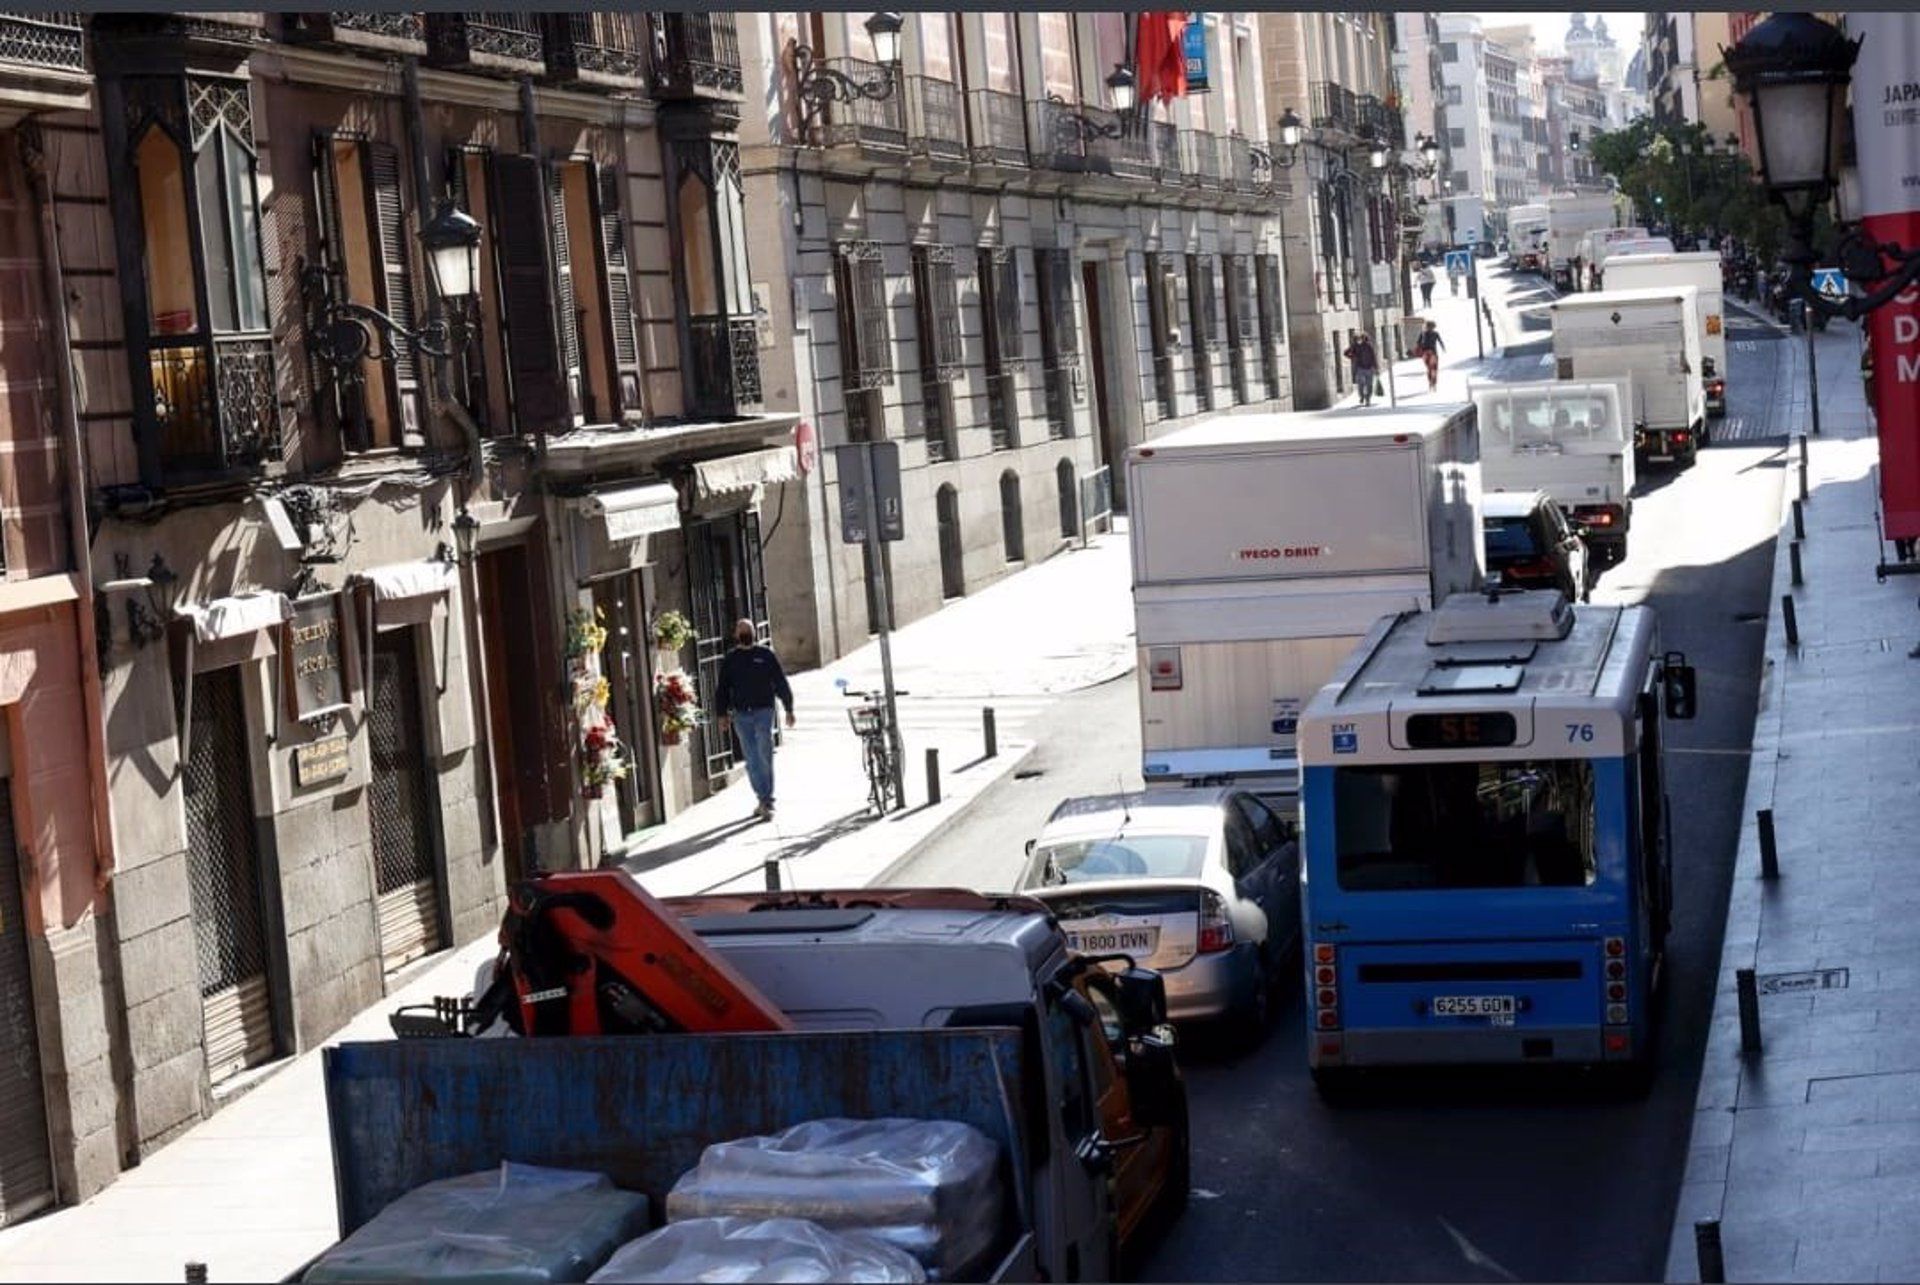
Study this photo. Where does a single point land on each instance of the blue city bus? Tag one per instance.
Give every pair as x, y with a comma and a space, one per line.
1485, 832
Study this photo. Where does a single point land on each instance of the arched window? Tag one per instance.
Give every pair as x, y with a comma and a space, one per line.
953, 570
1013, 524
1069, 500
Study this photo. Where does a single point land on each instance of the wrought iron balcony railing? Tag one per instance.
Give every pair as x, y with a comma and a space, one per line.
866, 122
999, 129
1057, 141
695, 55
1383, 121
936, 121
602, 47
45, 41
1240, 170
1336, 109
505, 43
725, 364
380, 31
217, 413
1168, 163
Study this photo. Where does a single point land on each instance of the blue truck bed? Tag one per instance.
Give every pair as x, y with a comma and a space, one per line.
642, 1108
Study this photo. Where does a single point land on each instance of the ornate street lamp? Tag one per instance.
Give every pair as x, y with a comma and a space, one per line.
1794, 70
818, 84
1292, 131
342, 332
1120, 93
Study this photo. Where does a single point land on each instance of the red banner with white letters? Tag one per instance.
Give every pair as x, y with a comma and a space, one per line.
1886, 129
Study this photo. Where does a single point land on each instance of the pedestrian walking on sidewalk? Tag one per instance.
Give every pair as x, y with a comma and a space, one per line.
1427, 347
750, 681
1427, 280
1366, 367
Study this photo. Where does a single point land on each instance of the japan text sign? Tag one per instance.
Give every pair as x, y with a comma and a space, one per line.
856, 505
1886, 127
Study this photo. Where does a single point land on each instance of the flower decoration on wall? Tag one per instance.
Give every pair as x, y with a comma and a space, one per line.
602, 757
672, 631
675, 710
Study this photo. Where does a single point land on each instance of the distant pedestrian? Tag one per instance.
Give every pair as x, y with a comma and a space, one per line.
1366, 367
750, 681
1427, 347
1427, 280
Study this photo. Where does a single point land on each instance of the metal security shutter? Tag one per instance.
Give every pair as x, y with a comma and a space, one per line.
400, 802
26, 1173
223, 870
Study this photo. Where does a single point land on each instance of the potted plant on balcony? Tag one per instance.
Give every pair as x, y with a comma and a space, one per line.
672, 631
675, 711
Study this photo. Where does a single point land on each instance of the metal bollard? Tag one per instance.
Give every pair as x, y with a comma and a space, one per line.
1803, 450
1769, 851
1706, 1249
196, 1274
1793, 623
1749, 994
1793, 557
1799, 521
991, 733
771, 868
1803, 479
933, 777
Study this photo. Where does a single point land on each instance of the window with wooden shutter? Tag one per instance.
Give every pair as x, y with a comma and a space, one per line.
618, 284
537, 381
1057, 290
1006, 300
480, 370
564, 296
363, 246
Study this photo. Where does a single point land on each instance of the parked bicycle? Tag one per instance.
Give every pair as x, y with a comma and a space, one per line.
880, 746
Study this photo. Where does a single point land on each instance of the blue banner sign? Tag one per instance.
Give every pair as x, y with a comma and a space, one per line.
1196, 52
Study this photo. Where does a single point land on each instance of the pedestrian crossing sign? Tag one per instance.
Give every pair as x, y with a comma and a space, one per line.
1459, 261
1830, 283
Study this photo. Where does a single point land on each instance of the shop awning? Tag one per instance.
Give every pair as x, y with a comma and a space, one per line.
634, 511
236, 617
714, 478
404, 593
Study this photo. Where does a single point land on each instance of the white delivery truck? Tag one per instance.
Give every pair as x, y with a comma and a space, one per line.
1569, 219
1653, 336
1570, 438
1526, 228
1597, 247
1264, 547
1701, 270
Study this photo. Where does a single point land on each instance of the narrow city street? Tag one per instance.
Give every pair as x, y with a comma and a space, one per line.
1495, 1176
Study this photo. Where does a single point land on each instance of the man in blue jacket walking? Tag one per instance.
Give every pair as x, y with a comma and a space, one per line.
750, 681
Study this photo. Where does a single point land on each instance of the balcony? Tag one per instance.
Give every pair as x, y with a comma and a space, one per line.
1240, 170
374, 32
1337, 110
217, 416
936, 122
725, 363
1057, 140
697, 55
1200, 158
600, 49
1128, 154
51, 42
999, 129
880, 125
1384, 121
504, 44
1168, 164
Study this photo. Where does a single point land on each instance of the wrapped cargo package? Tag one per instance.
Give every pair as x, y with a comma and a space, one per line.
791, 1251
929, 1187
515, 1225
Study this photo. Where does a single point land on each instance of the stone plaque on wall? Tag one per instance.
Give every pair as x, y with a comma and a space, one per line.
323, 760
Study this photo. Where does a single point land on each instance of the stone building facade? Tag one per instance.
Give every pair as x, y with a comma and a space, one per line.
345, 604
991, 269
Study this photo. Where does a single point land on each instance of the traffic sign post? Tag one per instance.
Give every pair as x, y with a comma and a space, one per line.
1830, 283
870, 471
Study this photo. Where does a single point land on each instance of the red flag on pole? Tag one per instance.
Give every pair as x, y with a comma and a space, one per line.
1161, 58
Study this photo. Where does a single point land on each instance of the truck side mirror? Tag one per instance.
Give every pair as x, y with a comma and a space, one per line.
1141, 996
1678, 685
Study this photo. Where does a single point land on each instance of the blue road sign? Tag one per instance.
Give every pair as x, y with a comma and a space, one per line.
1830, 283
1460, 261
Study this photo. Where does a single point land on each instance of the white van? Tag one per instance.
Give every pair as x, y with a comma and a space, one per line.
1701, 270
1652, 336
1571, 439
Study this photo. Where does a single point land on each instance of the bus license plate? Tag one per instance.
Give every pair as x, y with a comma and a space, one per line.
1497, 1007
1131, 941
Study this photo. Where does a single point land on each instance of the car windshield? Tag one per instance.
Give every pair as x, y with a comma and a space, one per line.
1511, 538
1546, 421
1464, 825
1123, 856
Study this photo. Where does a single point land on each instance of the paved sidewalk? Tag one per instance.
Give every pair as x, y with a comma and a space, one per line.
250, 1191
1461, 361
1809, 1153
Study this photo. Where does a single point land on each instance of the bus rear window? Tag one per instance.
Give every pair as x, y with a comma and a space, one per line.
1464, 825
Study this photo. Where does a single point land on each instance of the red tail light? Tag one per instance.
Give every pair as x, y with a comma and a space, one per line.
1216, 930
1616, 947
1326, 987
1681, 435
1717, 387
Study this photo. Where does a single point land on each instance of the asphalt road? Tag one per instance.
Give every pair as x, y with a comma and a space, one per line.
1485, 1176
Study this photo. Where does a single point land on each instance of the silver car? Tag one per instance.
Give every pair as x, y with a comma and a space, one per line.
1201, 885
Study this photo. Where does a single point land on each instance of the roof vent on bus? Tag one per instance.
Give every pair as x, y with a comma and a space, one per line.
1502, 615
